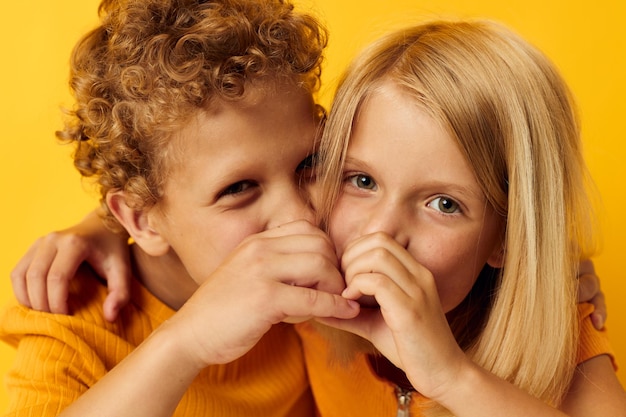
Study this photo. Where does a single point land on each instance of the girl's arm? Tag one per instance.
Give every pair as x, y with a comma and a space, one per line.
411, 330
595, 390
41, 277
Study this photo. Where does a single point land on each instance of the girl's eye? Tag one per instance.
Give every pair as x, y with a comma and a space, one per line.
445, 205
237, 188
363, 181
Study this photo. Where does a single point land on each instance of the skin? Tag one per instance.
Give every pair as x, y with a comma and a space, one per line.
427, 200
413, 230
224, 190
400, 267
411, 221
267, 262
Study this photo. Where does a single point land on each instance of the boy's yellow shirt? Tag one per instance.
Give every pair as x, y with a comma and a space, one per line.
60, 356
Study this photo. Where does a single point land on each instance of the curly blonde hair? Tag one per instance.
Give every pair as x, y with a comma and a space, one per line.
152, 64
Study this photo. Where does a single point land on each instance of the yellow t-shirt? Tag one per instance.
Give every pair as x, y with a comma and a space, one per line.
355, 389
60, 356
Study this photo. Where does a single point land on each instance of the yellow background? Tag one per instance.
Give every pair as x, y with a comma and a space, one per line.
41, 191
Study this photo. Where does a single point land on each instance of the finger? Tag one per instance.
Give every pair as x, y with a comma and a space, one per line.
296, 240
37, 276
58, 292
64, 266
18, 276
118, 283
586, 267
379, 263
588, 287
597, 320
377, 251
303, 260
298, 227
113, 264
385, 290
599, 315
308, 269
307, 302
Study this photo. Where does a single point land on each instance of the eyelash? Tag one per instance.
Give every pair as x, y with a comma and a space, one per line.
353, 179
457, 206
239, 187
235, 188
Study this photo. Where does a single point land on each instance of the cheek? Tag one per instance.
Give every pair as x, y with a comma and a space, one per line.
206, 245
342, 226
453, 289
313, 192
454, 268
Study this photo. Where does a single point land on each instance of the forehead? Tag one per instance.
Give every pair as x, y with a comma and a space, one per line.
277, 120
392, 129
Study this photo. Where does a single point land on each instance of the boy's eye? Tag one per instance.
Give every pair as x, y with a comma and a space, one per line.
236, 188
445, 205
308, 162
362, 181
307, 168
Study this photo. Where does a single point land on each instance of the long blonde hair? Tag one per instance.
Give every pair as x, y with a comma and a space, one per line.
514, 120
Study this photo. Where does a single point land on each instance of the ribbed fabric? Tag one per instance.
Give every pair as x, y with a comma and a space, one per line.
592, 342
354, 389
59, 357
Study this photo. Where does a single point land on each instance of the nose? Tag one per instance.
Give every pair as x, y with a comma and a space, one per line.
291, 204
390, 218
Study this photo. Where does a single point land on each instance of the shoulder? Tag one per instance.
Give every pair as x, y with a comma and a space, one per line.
87, 293
85, 298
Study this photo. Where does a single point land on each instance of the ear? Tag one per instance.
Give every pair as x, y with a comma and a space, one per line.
137, 224
496, 259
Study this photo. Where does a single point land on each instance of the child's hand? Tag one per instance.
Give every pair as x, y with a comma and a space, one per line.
589, 291
410, 328
41, 277
283, 274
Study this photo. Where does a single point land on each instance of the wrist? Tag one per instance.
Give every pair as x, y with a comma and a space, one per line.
459, 385
174, 348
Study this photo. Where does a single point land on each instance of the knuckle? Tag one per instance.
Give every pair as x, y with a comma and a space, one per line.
16, 275
34, 274
380, 254
77, 243
381, 237
57, 277
311, 297
319, 262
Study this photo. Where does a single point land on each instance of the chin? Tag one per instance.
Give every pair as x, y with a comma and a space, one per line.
344, 346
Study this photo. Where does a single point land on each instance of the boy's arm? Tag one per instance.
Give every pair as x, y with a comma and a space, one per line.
41, 277
277, 275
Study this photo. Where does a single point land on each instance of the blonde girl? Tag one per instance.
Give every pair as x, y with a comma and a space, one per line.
457, 205
500, 119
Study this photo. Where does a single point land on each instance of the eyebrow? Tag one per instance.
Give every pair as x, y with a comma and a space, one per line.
461, 190
359, 163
